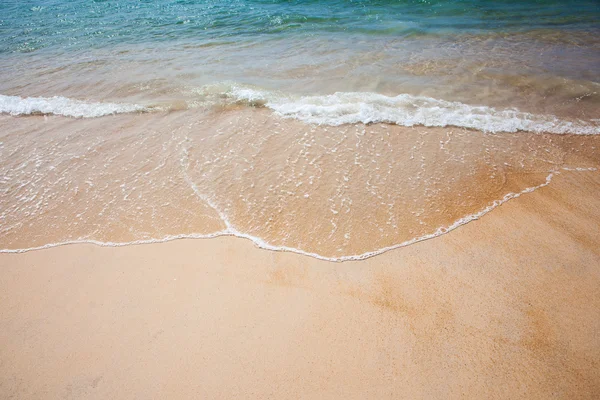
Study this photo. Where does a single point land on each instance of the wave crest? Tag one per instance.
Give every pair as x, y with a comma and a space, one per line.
57, 105
406, 110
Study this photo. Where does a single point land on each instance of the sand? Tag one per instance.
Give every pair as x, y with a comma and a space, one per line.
507, 306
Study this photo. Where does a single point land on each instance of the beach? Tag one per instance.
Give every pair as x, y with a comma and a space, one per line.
362, 199
503, 307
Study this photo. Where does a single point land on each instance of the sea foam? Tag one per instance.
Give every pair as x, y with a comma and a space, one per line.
259, 242
406, 110
335, 109
57, 105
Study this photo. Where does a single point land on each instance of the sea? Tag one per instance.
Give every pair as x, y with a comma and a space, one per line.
338, 129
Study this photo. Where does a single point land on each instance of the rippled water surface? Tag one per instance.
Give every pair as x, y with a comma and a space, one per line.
334, 128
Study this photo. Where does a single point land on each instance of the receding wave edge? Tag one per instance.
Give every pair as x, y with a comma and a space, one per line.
231, 231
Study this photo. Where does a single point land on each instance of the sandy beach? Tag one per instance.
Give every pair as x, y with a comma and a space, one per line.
281, 199
504, 307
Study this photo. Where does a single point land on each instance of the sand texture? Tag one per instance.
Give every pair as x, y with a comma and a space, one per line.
507, 306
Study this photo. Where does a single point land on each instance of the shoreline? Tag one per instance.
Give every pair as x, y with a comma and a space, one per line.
261, 244
503, 307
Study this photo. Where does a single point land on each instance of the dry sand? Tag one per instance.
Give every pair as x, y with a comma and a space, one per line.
505, 307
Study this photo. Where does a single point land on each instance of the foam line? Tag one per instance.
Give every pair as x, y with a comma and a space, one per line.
57, 105
406, 110
231, 231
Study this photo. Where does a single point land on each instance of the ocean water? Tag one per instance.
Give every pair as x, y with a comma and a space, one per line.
338, 129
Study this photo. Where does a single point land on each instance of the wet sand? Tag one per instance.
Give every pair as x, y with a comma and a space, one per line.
340, 193
504, 307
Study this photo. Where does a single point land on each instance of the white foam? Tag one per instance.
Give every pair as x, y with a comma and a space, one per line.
57, 105
406, 110
231, 231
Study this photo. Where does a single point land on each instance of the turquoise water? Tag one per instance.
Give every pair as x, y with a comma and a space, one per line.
535, 56
28, 26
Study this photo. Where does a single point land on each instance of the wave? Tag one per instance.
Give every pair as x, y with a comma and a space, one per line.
57, 105
335, 109
406, 110
231, 231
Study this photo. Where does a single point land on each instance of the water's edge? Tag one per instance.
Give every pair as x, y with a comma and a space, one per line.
230, 231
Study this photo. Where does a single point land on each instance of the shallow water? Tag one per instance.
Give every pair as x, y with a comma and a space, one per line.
338, 129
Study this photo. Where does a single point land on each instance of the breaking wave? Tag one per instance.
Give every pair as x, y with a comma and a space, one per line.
57, 105
405, 110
